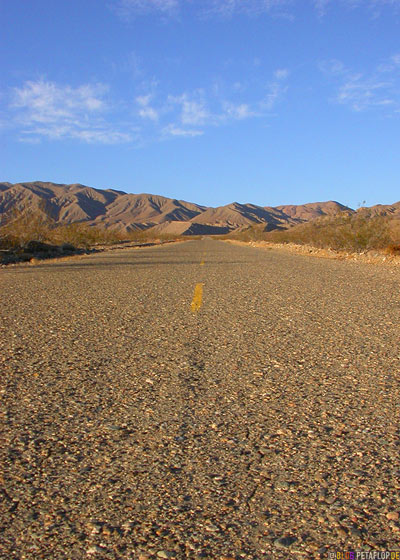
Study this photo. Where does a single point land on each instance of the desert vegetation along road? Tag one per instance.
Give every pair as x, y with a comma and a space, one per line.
257, 417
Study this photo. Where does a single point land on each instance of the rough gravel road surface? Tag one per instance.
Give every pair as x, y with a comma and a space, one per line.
199, 400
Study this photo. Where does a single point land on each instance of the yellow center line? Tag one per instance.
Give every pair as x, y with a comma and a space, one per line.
202, 258
197, 297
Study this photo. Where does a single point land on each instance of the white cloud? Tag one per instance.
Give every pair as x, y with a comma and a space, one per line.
46, 101
361, 94
392, 64
238, 112
192, 111
45, 109
374, 6
224, 8
239, 86
320, 6
173, 130
281, 73
143, 100
332, 67
90, 136
228, 8
146, 111
379, 89
275, 90
128, 8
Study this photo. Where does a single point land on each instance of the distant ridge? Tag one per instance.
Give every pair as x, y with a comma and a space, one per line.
118, 210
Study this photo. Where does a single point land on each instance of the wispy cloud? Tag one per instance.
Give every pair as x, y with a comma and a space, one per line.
238, 111
46, 109
223, 8
389, 65
375, 7
128, 8
173, 130
281, 74
193, 110
230, 8
365, 93
145, 109
276, 89
200, 109
88, 113
379, 89
47, 102
332, 67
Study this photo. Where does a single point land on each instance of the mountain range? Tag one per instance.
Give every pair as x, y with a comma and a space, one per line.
126, 212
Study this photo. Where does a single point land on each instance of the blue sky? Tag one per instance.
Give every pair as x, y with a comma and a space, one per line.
264, 101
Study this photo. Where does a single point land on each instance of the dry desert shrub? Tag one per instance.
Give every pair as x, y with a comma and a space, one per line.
82, 235
344, 232
393, 250
18, 228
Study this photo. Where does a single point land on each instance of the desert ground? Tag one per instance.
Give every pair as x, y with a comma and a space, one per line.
199, 400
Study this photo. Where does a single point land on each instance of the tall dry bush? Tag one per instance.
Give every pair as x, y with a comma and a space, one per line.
344, 232
18, 228
84, 236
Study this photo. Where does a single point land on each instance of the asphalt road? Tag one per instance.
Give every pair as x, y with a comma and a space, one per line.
199, 400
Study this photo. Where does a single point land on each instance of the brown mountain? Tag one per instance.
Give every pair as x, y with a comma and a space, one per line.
237, 215
111, 208
119, 210
391, 210
307, 212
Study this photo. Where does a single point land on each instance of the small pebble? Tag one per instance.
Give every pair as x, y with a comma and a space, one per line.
94, 550
284, 542
164, 554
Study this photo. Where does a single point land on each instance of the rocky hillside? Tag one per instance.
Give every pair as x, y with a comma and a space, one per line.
125, 212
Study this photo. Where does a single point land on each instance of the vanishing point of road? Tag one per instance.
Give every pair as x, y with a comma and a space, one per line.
199, 400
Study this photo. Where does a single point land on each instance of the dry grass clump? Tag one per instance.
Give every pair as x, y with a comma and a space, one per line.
393, 250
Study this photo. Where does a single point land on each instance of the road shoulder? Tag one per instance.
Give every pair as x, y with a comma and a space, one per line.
370, 257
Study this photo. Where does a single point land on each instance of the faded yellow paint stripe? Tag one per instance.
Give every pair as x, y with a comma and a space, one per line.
197, 297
